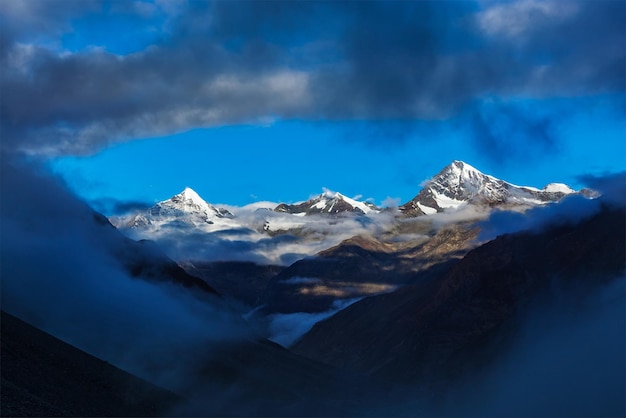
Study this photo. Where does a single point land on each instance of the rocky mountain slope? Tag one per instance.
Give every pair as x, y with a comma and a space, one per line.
243, 281
145, 260
430, 332
364, 266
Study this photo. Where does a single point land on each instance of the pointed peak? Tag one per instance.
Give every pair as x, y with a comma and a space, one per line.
190, 195
458, 171
329, 194
462, 165
188, 191
328, 202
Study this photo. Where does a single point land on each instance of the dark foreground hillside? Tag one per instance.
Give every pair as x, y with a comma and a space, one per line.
428, 324
530, 308
43, 376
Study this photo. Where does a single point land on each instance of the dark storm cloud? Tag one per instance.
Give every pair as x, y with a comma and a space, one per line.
29, 20
232, 62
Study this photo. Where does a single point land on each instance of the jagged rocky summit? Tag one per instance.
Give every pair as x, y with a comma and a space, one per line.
460, 183
456, 185
328, 203
187, 208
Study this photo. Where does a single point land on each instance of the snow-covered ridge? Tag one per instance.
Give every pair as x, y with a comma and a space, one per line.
186, 208
331, 198
328, 202
456, 185
191, 227
459, 183
188, 202
189, 197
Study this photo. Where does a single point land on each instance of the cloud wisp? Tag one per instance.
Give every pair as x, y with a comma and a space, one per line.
292, 237
285, 329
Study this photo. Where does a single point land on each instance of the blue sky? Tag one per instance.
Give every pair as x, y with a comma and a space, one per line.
132, 101
291, 160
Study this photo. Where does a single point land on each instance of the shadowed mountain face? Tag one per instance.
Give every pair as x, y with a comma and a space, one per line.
357, 267
364, 266
144, 260
43, 376
244, 282
431, 331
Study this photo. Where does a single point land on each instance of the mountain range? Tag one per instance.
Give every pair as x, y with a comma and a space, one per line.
185, 209
328, 203
457, 185
477, 297
346, 249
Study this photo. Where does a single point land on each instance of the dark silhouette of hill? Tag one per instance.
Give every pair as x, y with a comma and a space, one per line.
44, 376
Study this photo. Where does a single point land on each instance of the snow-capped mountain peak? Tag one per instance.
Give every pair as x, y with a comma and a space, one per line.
190, 195
188, 201
459, 183
329, 194
184, 208
328, 202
